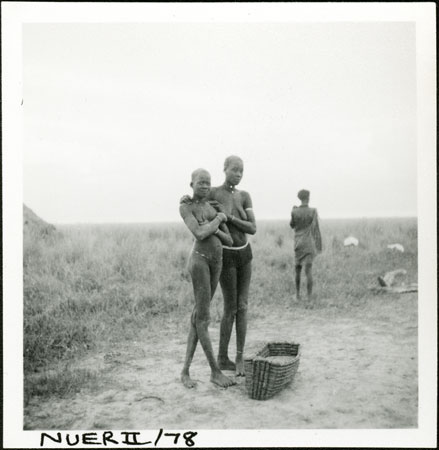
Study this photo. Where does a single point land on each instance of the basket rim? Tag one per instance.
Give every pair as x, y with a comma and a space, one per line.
254, 356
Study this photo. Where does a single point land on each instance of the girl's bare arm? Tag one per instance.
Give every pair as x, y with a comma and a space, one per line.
249, 225
224, 235
200, 231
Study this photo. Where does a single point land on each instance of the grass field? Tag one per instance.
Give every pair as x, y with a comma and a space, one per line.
88, 289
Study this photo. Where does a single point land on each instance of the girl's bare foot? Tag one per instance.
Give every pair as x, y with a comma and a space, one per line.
226, 364
187, 380
221, 380
239, 366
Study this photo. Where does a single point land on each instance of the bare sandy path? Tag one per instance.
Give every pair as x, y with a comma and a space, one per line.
358, 370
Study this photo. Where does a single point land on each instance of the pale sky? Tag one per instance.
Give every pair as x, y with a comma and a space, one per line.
117, 116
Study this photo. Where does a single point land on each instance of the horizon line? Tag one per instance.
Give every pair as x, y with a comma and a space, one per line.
151, 222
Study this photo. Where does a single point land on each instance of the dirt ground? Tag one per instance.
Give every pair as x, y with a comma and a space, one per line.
358, 369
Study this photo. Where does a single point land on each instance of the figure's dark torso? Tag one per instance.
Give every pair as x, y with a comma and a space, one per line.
233, 204
302, 217
307, 237
211, 246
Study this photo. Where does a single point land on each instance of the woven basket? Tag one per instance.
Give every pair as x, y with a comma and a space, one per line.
271, 369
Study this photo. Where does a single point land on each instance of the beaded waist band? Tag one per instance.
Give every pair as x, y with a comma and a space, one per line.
236, 248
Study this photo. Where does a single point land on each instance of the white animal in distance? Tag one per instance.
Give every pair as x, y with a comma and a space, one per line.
398, 247
350, 242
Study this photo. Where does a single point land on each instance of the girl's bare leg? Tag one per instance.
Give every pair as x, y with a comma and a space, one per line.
228, 286
244, 276
190, 350
309, 283
309, 280
298, 271
201, 280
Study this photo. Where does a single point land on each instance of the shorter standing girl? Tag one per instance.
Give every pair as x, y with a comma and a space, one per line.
205, 263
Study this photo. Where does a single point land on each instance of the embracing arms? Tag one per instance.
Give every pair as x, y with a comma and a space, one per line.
246, 222
224, 235
246, 225
206, 229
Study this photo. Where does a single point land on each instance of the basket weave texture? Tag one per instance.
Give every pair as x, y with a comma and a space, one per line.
271, 369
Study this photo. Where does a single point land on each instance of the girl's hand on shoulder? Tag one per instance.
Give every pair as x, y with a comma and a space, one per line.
186, 199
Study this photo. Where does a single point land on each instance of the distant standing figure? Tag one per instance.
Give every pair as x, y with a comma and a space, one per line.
237, 266
307, 240
205, 262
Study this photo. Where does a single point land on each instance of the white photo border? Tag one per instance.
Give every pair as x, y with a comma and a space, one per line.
15, 14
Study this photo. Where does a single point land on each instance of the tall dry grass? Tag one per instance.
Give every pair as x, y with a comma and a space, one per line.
343, 276
98, 282
87, 286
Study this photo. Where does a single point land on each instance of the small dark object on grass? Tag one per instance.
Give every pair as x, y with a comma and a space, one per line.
389, 283
388, 279
279, 241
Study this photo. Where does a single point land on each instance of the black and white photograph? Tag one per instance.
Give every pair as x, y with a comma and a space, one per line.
219, 224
